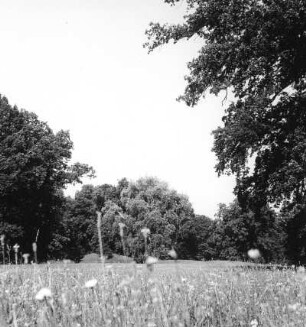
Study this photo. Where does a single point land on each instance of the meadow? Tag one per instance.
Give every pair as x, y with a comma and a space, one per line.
183, 293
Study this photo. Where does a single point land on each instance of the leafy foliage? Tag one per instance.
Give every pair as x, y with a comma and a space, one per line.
235, 231
146, 203
256, 50
34, 168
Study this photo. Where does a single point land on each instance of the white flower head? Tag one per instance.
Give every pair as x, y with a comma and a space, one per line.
172, 253
16, 247
44, 293
145, 232
151, 261
254, 254
254, 323
91, 283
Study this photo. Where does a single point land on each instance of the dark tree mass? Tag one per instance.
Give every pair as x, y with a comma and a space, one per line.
257, 51
34, 169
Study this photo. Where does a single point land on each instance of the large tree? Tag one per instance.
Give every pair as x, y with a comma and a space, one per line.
255, 49
34, 169
146, 203
152, 204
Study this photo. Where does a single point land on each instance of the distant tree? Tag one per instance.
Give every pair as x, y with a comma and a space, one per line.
257, 50
296, 236
150, 203
195, 235
80, 223
235, 231
104, 193
34, 168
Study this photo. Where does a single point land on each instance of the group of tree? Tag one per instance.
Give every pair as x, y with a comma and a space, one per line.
145, 204
256, 50
149, 204
34, 169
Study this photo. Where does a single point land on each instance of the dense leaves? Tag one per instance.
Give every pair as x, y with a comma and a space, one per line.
257, 51
146, 203
34, 168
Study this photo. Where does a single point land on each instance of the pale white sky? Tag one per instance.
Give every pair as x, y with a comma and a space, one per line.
80, 66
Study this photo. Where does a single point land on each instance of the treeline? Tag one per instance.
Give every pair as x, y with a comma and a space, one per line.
34, 170
149, 203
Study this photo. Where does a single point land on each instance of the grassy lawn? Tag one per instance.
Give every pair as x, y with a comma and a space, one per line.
186, 293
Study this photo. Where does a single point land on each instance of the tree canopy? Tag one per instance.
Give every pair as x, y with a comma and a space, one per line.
255, 49
34, 169
146, 203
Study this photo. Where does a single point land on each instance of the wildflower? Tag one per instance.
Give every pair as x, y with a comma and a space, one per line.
16, 247
172, 253
44, 293
91, 283
254, 323
150, 262
254, 254
145, 232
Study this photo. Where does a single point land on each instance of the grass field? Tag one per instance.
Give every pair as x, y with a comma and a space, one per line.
173, 294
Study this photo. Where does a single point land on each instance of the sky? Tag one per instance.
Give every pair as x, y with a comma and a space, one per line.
80, 66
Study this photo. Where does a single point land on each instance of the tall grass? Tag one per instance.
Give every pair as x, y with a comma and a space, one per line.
187, 294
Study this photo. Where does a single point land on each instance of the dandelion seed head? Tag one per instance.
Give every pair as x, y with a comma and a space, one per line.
172, 253
16, 247
145, 232
151, 261
254, 254
91, 283
42, 294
